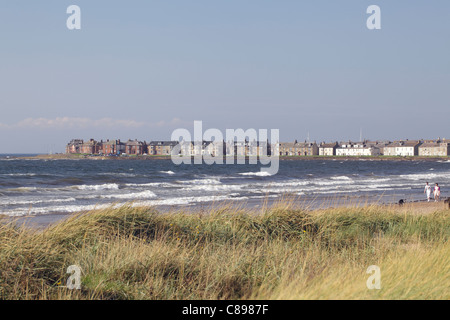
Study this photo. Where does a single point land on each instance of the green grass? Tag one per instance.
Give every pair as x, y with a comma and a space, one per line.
228, 253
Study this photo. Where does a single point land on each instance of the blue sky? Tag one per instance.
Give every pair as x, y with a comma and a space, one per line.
140, 69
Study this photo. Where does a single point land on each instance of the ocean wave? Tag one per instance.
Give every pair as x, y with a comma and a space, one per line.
139, 195
152, 184
188, 200
426, 176
324, 189
168, 172
18, 174
53, 209
107, 186
341, 178
117, 174
355, 191
332, 183
292, 183
200, 181
373, 179
79, 208
21, 189
32, 202
214, 187
258, 174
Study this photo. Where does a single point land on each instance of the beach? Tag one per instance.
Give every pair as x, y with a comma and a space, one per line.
41, 222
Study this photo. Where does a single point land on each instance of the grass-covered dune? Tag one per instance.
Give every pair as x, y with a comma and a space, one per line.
227, 253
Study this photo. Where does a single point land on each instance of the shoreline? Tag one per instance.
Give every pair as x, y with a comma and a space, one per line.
43, 221
162, 157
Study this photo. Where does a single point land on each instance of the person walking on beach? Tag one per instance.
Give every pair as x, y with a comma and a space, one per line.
428, 191
437, 192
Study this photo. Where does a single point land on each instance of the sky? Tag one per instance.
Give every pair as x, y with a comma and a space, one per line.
141, 69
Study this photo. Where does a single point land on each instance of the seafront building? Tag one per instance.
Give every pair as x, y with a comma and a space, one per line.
163, 148
74, 146
404, 148
112, 147
90, 147
298, 149
135, 147
328, 149
378, 144
439, 148
358, 149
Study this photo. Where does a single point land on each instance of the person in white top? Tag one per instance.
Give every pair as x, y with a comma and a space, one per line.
437, 192
428, 191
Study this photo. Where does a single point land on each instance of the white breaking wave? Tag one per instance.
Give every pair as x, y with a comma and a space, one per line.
21, 189
258, 174
200, 181
284, 184
46, 210
332, 183
187, 200
79, 208
168, 172
107, 186
139, 195
26, 202
427, 176
214, 187
341, 178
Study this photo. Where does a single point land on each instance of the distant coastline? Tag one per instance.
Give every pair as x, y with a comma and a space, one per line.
163, 157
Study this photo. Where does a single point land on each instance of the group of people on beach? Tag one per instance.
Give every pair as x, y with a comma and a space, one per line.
436, 192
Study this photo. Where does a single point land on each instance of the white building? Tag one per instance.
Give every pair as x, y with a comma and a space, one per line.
328, 149
406, 148
357, 150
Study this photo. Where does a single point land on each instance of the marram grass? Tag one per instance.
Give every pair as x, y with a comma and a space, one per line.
228, 253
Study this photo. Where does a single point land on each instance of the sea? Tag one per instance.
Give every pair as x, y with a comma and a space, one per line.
31, 187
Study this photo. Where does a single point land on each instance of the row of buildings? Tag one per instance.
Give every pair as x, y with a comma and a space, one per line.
405, 148
117, 147
439, 147
166, 148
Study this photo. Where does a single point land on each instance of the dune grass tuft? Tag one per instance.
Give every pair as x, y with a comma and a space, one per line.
281, 252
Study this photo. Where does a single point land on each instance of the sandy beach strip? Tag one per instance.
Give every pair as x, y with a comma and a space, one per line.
42, 221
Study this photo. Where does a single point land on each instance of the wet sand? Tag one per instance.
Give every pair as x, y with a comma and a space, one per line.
39, 221
424, 207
